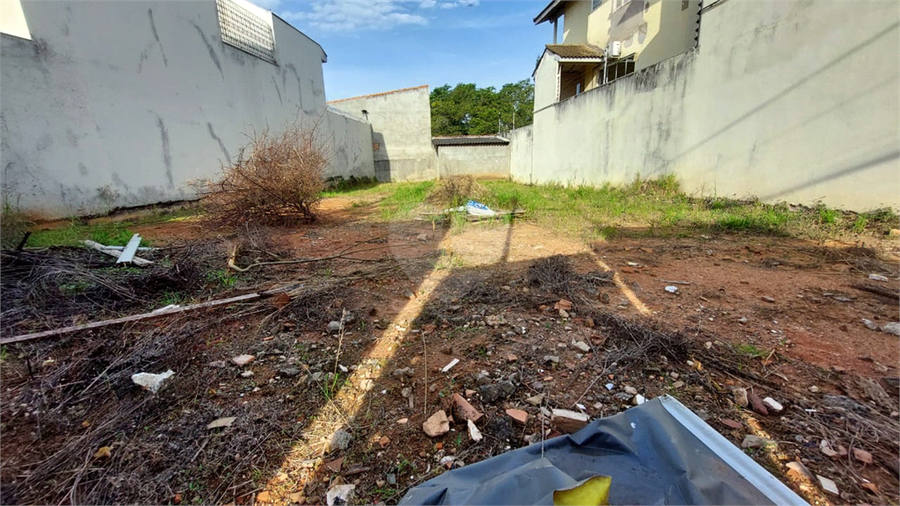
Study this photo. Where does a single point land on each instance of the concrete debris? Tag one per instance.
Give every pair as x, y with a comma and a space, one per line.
742, 320
870, 324
630, 390
581, 345
474, 433
289, 372
672, 289
242, 360
463, 410
403, 421
217, 364
639, 399
518, 415
340, 495
568, 421
221, 422
751, 441
408, 372
878, 277
437, 425
535, 400
340, 440
496, 392
247, 374
334, 326
731, 423
891, 328
149, 381
551, 359
828, 485
773, 405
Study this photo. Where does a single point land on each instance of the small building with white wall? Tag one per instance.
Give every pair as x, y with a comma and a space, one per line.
481, 156
401, 132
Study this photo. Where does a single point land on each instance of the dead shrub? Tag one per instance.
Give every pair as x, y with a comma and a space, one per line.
456, 191
279, 182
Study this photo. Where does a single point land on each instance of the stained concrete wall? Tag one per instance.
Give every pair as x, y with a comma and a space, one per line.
401, 126
786, 101
349, 146
122, 103
521, 145
488, 161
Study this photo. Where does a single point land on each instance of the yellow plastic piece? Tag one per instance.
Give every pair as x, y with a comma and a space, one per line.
593, 492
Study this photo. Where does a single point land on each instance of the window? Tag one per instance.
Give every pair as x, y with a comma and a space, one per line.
246, 30
595, 4
618, 4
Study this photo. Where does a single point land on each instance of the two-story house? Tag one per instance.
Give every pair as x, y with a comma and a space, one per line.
603, 40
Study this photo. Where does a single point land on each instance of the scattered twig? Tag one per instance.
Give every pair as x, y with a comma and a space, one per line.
675, 282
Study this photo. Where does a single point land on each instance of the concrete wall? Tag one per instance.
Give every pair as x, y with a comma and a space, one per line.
521, 146
349, 145
401, 129
489, 161
786, 101
122, 103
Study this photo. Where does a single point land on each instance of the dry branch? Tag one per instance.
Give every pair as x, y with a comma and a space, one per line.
135, 318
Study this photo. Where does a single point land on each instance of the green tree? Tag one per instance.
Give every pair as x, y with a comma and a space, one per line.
466, 109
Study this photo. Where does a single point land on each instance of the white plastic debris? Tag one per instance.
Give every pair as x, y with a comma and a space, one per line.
828, 485
150, 381
450, 365
474, 433
339, 495
878, 277
672, 289
639, 399
610, 386
476, 208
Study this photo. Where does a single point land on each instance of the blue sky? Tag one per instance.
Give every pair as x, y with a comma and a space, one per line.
382, 45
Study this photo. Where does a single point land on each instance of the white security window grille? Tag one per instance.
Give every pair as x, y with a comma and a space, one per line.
245, 30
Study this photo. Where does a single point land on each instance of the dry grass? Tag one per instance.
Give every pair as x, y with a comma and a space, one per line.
456, 191
279, 182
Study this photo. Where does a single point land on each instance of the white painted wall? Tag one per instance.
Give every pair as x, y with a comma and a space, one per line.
786, 101
521, 146
349, 146
401, 126
122, 103
488, 161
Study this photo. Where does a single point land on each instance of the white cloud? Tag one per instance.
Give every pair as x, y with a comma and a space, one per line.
427, 4
458, 3
356, 15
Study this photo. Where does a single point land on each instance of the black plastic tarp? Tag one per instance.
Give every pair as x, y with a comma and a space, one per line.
656, 453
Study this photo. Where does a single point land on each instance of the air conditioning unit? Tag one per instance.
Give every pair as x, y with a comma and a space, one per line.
614, 49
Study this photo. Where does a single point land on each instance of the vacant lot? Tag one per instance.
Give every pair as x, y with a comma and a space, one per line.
577, 302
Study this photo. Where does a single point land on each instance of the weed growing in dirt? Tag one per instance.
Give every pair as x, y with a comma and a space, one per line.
222, 278
13, 225
110, 233
403, 198
750, 350
352, 184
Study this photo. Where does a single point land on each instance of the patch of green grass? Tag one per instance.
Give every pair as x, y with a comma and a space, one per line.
750, 350
859, 225
109, 233
4, 353
402, 198
221, 277
350, 186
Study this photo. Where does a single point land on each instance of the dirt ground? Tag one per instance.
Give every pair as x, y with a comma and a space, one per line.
536, 320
